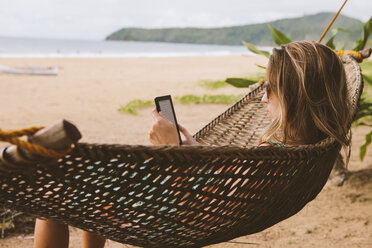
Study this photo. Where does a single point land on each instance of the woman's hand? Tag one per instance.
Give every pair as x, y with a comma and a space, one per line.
164, 132
189, 140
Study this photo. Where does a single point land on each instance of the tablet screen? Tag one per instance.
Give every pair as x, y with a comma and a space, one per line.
166, 109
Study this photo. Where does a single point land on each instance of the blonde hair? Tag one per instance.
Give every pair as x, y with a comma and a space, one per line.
309, 81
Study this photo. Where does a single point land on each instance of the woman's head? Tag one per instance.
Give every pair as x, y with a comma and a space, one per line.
306, 83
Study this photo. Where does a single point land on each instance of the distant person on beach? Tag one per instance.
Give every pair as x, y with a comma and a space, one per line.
306, 97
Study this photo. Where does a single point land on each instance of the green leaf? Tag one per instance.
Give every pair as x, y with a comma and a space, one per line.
360, 116
278, 37
261, 66
364, 111
364, 104
334, 31
363, 148
13, 216
255, 50
330, 43
367, 79
367, 30
341, 48
240, 82
363, 124
366, 67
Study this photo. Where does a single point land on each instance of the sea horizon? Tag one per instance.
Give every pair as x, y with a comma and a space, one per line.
19, 47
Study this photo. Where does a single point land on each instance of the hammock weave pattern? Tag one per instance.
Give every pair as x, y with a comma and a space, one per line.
162, 196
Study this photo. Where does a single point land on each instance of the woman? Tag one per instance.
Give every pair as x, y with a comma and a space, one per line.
306, 96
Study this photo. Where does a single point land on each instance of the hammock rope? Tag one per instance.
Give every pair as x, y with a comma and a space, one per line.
357, 55
13, 137
161, 196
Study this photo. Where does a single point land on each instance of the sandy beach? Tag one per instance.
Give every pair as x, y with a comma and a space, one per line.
89, 92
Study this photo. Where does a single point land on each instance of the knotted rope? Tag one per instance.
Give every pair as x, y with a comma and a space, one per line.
356, 54
13, 137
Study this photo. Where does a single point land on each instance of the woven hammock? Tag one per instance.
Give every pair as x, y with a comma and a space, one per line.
167, 196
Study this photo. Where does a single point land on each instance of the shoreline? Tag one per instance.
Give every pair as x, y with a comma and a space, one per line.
49, 48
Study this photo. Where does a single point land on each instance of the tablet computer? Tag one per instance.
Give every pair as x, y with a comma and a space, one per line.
164, 105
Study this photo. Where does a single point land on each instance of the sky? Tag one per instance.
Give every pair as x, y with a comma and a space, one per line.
95, 19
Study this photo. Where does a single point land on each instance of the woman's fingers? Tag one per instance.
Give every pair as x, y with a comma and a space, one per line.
184, 131
155, 114
158, 116
162, 131
152, 137
155, 125
189, 139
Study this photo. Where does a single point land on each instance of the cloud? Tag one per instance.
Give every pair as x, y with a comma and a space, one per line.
95, 19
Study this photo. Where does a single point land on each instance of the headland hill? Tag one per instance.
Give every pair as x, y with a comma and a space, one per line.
308, 27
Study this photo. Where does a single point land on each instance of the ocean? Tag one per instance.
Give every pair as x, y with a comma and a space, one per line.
52, 48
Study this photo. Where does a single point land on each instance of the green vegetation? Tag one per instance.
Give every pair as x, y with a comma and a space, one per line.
208, 99
212, 85
15, 222
302, 28
236, 82
132, 106
245, 82
366, 67
364, 115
